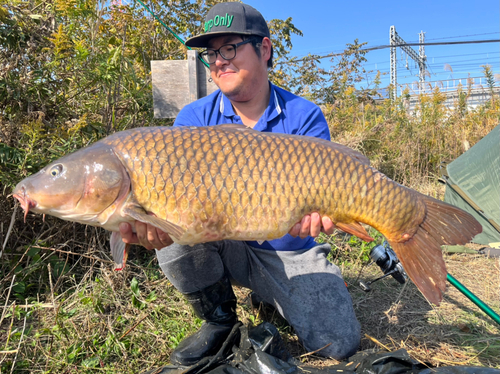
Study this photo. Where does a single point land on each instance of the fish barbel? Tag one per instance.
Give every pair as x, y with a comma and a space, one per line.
202, 184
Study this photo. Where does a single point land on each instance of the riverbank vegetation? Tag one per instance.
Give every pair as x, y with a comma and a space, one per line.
72, 72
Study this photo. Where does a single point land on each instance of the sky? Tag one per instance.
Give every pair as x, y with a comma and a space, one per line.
329, 25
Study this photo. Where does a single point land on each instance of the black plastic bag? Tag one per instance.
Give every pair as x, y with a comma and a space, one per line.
261, 350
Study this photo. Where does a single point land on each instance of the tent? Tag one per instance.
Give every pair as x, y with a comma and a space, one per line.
473, 184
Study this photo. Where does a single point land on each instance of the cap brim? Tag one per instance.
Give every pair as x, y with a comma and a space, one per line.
201, 41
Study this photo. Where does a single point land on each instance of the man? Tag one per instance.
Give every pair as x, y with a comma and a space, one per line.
291, 273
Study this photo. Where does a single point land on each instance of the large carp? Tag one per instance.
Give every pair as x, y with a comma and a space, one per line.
203, 184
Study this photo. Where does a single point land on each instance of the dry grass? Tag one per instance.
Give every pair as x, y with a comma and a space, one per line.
455, 333
98, 322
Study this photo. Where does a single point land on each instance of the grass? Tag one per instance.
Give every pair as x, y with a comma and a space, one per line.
63, 311
106, 320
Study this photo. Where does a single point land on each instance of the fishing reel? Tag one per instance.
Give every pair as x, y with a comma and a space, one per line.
386, 259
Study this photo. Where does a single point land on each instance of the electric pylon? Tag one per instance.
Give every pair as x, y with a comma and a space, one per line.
420, 58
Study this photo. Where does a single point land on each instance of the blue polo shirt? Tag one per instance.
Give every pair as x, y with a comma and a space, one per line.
286, 113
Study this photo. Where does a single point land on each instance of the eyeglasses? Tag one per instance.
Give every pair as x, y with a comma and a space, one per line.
227, 52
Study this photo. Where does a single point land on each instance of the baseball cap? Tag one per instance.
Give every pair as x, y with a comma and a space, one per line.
230, 18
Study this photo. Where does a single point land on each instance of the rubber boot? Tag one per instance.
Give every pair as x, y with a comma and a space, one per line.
216, 305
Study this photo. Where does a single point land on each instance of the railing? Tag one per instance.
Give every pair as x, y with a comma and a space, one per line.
449, 85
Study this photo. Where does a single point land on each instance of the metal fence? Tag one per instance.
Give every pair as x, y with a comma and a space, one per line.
449, 85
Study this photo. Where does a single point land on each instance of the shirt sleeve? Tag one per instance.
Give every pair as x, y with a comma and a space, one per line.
314, 124
187, 117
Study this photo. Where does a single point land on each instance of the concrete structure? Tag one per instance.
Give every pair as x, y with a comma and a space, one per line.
177, 83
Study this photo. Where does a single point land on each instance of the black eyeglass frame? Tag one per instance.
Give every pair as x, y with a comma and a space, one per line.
204, 55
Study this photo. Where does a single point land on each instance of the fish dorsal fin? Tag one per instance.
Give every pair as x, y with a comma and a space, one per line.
140, 214
356, 229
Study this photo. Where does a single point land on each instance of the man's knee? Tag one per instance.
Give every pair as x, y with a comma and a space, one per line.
190, 258
345, 347
340, 342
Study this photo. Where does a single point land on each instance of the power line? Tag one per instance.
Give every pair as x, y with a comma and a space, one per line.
446, 56
470, 62
467, 54
388, 46
464, 36
455, 37
456, 69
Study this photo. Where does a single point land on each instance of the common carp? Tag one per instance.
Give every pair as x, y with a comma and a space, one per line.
202, 184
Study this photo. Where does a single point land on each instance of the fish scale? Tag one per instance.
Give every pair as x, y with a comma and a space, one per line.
249, 184
201, 184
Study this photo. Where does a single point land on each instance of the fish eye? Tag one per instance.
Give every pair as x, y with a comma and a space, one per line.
56, 170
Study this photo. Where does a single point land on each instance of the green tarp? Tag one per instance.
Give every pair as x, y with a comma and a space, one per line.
473, 184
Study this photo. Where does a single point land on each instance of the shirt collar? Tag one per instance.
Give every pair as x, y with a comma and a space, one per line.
273, 109
226, 108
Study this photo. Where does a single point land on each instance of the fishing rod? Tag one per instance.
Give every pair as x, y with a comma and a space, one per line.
171, 31
476, 300
386, 259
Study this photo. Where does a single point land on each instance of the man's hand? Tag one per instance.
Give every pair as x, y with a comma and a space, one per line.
146, 235
311, 225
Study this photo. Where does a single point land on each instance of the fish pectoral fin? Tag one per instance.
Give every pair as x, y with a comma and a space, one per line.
140, 214
119, 250
354, 228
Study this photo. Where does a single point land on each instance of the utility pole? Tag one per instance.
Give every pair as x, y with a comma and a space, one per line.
396, 41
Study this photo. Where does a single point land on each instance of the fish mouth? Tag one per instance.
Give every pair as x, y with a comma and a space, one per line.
26, 202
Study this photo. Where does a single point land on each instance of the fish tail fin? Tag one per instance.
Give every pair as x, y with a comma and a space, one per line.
421, 255
423, 261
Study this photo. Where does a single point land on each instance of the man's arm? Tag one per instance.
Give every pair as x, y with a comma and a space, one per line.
314, 124
150, 237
